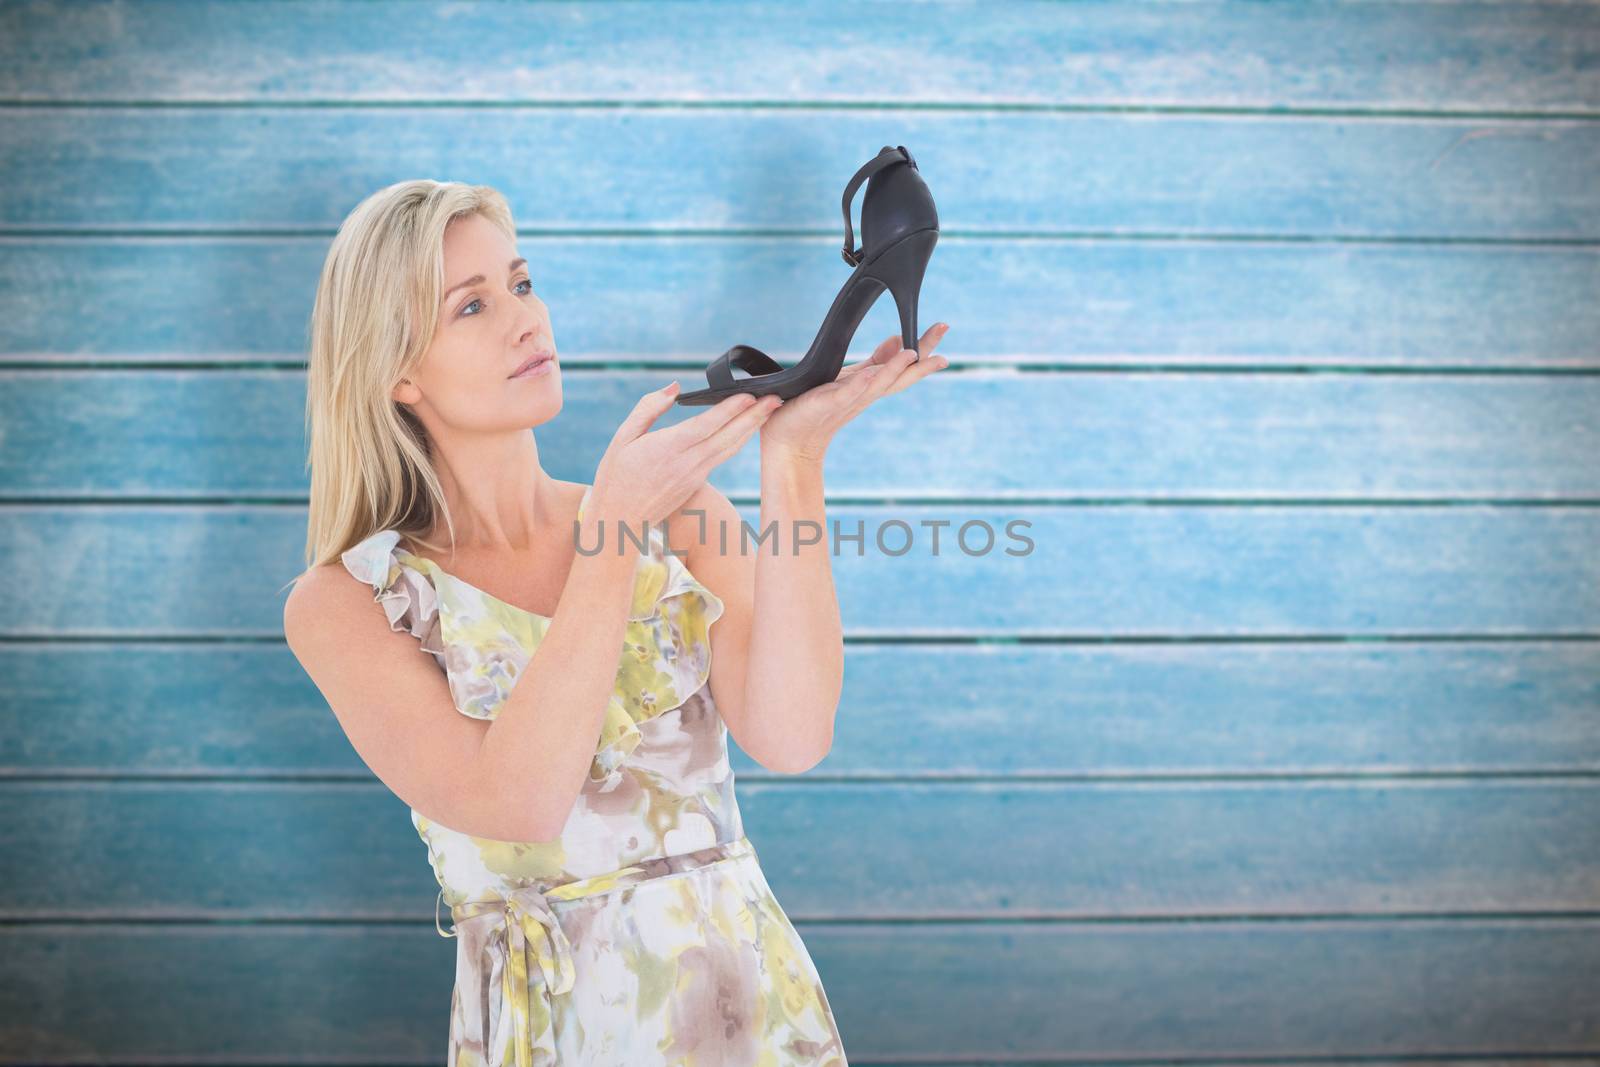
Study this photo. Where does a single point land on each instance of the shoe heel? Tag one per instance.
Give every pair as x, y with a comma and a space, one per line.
900, 268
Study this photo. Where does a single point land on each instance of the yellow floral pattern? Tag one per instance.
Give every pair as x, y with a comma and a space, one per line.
645, 933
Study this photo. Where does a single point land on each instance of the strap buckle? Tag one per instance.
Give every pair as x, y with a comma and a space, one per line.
886, 155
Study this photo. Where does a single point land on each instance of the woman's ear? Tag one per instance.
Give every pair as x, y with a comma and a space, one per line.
405, 392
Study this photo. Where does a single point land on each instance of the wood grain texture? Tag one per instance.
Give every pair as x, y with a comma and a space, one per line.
1063, 174
1031, 302
1123, 571
944, 993
1436, 57
1165, 850
232, 434
1282, 708
1275, 322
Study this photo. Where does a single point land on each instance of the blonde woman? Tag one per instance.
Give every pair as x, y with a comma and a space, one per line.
562, 741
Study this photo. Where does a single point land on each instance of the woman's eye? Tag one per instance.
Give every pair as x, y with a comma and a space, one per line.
465, 314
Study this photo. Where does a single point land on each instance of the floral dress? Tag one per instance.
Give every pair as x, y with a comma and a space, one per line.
646, 933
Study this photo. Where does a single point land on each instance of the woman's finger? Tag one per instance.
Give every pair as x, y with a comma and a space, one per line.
703, 427
918, 370
862, 390
891, 346
886, 348
731, 436
892, 371
931, 338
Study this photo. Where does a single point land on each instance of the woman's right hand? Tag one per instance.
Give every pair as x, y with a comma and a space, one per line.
647, 475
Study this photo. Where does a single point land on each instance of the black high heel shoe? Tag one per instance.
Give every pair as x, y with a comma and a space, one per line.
899, 228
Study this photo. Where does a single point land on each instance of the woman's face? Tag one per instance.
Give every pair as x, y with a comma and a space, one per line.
488, 327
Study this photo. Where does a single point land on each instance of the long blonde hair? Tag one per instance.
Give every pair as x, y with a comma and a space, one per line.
376, 310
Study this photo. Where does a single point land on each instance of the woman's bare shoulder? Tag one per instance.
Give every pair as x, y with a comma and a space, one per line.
328, 586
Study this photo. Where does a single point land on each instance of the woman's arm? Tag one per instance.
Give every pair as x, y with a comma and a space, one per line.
543, 736
515, 778
777, 653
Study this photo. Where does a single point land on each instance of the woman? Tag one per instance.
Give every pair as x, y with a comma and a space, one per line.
579, 813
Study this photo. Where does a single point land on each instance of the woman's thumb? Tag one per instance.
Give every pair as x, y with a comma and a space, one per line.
665, 397
650, 406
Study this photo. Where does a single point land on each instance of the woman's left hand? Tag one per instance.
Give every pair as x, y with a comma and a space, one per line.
805, 424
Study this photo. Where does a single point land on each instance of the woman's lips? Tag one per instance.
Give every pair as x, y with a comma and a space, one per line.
538, 368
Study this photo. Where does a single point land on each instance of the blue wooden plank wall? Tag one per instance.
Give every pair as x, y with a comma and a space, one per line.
1279, 322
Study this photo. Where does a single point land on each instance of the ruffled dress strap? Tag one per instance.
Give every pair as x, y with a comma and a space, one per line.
409, 600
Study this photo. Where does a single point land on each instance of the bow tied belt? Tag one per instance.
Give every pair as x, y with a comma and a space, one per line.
530, 925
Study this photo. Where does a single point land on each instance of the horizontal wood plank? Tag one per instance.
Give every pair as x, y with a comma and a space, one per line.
958, 850
669, 172
1035, 991
942, 711
1327, 54
1182, 435
1206, 571
681, 300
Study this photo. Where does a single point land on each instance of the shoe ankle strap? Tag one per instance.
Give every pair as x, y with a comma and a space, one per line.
886, 157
